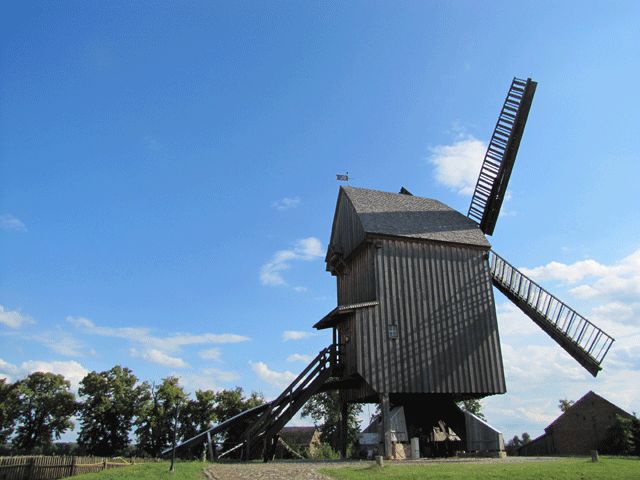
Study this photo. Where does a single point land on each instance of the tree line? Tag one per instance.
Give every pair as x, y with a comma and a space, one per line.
114, 407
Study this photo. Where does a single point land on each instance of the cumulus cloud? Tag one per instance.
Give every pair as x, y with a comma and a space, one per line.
305, 249
13, 318
298, 357
568, 273
272, 377
619, 281
512, 321
157, 356
71, 370
457, 165
11, 223
295, 335
286, 203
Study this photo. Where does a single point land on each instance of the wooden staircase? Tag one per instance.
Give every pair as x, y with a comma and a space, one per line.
491, 186
272, 416
584, 341
283, 408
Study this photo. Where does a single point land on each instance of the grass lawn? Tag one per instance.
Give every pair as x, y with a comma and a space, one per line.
150, 471
565, 469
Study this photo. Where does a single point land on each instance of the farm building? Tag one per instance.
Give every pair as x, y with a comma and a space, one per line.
577, 431
303, 440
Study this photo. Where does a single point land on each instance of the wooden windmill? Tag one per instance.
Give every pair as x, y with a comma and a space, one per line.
415, 322
416, 317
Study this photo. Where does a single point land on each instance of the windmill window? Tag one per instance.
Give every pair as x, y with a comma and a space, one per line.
392, 330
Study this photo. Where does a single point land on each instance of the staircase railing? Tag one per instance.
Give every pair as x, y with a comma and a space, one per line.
590, 339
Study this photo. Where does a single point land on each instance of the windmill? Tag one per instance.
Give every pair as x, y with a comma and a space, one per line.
415, 324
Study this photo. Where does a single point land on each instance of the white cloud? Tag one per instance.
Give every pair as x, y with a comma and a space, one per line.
161, 358
11, 223
512, 321
175, 342
618, 281
71, 370
458, 165
566, 273
129, 333
295, 335
298, 357
13, 318
210, 354
172, 343
286, 203
275, 378
8, 370
306, 249
221, 375
61, 343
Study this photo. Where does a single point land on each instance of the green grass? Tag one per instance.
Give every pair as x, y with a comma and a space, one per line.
150, 471
564, 469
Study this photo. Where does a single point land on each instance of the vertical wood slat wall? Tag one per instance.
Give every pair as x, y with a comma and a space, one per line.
350, 234
440, 298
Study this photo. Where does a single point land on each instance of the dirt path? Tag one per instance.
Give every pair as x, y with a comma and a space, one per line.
309, 470
266, 471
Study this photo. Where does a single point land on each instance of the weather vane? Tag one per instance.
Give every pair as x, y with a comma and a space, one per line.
342, 177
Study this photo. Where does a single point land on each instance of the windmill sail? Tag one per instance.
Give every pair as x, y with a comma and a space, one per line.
584, 341
491, 186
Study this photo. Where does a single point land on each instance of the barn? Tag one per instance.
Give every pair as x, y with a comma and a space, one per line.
582, 428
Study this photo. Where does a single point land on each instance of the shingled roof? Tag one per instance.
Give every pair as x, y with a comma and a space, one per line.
403, 215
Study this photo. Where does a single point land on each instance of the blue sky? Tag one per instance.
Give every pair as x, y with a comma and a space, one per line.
168, 177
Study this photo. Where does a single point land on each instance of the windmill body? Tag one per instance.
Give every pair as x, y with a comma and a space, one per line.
416, 313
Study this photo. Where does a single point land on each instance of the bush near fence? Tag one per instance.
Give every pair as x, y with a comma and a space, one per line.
43, 467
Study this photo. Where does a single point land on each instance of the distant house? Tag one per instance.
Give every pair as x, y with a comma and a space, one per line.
580, 429
303, 440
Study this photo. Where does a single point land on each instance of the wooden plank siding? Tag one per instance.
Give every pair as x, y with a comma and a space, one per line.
440, 297
357, 283
350, 233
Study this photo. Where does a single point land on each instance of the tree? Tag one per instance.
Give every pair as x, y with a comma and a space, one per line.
526, 438
564, 404
155, 423
44, 409
472, 406
197, 415
513, 445
111, 401
7, 410
620, 437
229, 403
324, 409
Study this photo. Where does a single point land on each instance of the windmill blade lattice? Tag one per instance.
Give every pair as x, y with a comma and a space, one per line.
583, 340
491, 186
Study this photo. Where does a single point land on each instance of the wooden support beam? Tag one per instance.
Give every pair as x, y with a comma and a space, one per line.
386, 426
210, 447
344, 412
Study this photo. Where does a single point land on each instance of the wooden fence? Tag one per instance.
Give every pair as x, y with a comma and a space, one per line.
50, 468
